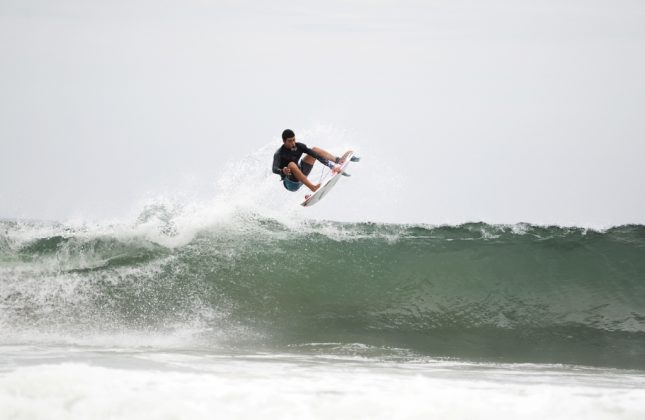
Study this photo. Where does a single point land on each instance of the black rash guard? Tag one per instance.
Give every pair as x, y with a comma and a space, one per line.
283, 156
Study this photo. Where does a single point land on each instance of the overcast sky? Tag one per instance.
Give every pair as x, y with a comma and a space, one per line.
497, 111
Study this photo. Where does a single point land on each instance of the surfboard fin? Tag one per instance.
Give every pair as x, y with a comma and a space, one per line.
355, 159
345, 173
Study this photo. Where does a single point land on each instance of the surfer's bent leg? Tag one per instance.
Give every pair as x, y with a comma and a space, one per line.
311, 160
297, 173
306, 167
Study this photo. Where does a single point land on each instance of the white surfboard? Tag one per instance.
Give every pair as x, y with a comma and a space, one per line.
315, 197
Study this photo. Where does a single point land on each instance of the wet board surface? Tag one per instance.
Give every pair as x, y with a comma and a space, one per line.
315, 197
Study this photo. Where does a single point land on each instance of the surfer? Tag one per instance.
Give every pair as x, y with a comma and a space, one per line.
292, 170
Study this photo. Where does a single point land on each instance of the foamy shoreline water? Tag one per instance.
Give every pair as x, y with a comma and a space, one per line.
101, 383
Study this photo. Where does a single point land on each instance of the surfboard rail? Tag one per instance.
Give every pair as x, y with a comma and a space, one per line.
318, 195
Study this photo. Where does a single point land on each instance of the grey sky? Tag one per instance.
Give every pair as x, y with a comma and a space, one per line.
501, 111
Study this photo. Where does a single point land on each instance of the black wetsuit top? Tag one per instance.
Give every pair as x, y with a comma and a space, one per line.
283, 156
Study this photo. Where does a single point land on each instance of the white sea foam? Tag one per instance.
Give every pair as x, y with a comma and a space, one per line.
153, 385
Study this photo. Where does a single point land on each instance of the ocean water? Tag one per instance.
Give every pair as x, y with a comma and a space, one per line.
254, 316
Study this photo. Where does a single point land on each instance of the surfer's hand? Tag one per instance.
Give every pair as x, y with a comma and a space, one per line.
336, 169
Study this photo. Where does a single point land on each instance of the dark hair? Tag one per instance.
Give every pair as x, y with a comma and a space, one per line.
286, 134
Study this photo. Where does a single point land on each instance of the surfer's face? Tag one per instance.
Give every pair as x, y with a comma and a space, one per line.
290, 143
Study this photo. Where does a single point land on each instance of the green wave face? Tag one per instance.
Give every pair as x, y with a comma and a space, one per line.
502, 293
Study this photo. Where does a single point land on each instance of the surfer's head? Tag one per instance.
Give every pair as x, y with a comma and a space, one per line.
287, 134
289, 139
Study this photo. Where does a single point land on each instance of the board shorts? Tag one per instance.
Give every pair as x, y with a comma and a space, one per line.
291, 183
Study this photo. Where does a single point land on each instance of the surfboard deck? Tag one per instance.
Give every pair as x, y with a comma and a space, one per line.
315, 197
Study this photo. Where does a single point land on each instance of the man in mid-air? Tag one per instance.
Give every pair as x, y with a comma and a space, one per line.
292, 170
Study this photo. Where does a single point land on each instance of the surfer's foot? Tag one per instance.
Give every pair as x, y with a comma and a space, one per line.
355, 159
